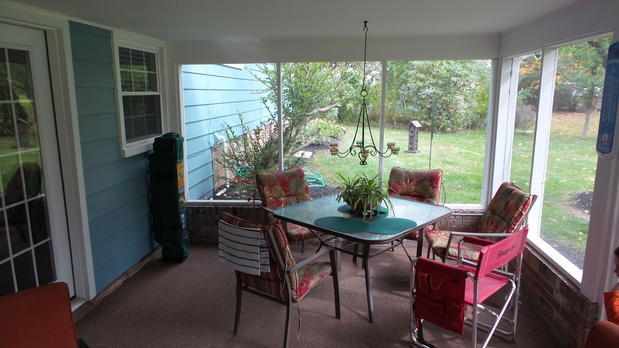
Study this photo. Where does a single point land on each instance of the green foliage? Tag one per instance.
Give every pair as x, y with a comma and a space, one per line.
305, 87
249, 152
581, 67
458, 90
323, 129
363, 194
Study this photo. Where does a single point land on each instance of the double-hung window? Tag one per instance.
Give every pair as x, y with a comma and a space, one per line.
139, 96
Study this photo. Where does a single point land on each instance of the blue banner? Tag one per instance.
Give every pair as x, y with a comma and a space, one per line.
608, 114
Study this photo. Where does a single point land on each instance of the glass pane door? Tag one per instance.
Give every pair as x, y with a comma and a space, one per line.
27, 254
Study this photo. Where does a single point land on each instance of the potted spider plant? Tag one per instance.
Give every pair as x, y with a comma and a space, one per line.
363, 194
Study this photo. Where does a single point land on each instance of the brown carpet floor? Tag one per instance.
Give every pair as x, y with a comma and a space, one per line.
192, 305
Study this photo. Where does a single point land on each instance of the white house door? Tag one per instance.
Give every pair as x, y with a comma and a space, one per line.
34, 240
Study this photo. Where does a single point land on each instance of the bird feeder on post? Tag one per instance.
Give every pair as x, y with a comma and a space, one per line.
413, 137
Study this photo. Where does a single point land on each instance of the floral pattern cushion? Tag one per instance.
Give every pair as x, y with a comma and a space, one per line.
296, 232
278, 189
504, 214
307, 277
506, 210
419, 185
272, 283
438, 241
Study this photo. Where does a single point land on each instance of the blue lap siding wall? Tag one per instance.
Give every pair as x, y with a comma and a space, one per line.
213, 97
116, 187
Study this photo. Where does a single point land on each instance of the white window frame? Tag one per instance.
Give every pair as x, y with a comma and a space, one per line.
489, 185
126, 40
508, 91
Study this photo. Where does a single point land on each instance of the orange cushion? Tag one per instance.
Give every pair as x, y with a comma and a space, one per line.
38, 317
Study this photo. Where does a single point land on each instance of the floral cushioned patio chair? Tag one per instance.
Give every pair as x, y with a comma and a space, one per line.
417, 185
504, 214
288, 280
279, 189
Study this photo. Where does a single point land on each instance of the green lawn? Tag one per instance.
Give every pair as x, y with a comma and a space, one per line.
571, 170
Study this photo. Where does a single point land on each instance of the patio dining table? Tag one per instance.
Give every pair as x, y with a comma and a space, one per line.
387, 229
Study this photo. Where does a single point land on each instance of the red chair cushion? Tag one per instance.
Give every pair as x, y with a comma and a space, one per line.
38, 317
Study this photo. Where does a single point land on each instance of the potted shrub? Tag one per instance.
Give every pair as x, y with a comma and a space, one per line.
364, 195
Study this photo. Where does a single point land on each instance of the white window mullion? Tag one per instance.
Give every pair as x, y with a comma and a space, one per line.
280, 114
496, 138
381, 137
542, 137
510, 123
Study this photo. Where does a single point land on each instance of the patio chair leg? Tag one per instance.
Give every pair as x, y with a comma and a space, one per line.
355, 251
336, 284
287, 329
239, 297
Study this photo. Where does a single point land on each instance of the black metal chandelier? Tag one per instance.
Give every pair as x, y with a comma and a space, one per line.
361, 148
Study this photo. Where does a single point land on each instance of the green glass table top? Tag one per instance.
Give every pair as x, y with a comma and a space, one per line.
335, 217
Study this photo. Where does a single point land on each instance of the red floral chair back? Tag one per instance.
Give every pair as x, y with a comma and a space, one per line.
419, 185
278, 189
506, 210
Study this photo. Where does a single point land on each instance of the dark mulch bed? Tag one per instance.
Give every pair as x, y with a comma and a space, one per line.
582, 200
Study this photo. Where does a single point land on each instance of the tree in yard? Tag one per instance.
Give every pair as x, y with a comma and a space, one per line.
306, 87
458, 89
580, 70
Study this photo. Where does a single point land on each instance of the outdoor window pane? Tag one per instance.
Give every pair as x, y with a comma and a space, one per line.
333, 102
572, 159
137, 60
11, 179
4, 243
526, 116
150, 61
7, 131
452, 95
45, 263
139, 81
19, 70
24, 271
18, 228
6, 279
126, 81
38, 220
137, 109
124, 58
152, 82
4, 77
138, 73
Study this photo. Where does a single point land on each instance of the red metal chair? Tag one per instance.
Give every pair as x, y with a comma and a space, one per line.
279, 189
38, 317
440, 293
505, 212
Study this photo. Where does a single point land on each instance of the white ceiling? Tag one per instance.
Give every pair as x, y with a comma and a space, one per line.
258, 20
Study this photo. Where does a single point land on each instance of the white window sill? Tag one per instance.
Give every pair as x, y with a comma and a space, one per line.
565, 266
138, 147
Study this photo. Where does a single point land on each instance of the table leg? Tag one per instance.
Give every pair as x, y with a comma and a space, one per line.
420, 243
368, 280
